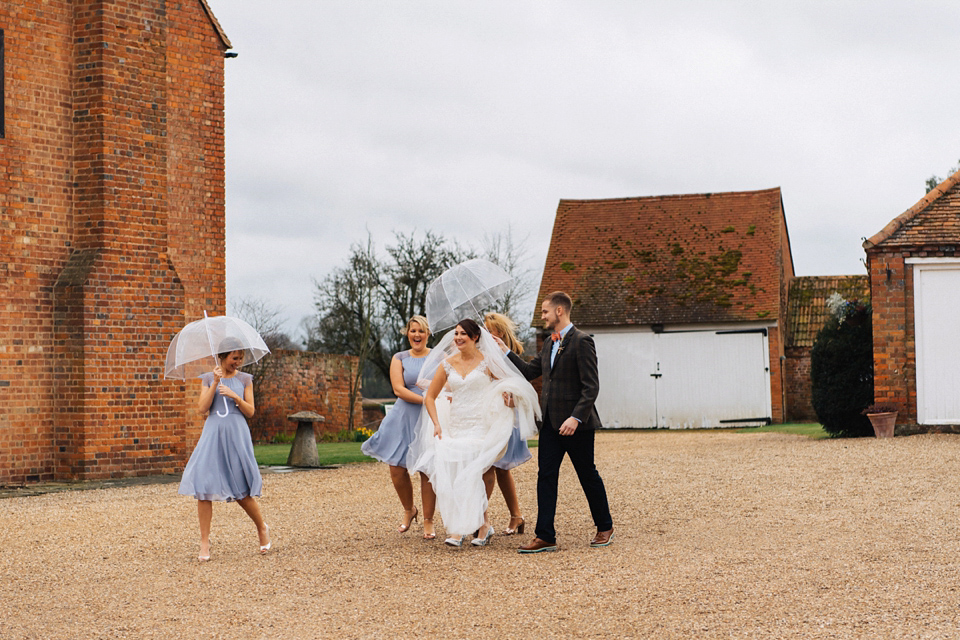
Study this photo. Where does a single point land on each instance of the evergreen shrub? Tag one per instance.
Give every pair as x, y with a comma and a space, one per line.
841, 369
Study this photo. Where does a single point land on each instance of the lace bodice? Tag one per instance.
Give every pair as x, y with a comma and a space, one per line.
467, 395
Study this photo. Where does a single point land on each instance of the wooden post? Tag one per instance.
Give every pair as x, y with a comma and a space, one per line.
303, 453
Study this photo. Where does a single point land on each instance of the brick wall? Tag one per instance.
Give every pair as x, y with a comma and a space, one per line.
777, 375
799, 390
35, 227
302, 380
113, 158
894, 354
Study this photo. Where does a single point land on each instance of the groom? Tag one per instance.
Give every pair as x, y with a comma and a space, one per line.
568, 364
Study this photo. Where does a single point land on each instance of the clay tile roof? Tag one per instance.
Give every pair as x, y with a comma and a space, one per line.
682, 258
216, 24
807, 304
935, 219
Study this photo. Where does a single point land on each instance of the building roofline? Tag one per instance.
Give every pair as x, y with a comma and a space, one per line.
682, 196
216, 24
897, 223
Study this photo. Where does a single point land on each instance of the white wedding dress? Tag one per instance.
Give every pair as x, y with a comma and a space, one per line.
475, 426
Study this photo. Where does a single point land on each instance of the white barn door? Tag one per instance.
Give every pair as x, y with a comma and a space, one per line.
683, 380
628, 392
713, 379
937, 315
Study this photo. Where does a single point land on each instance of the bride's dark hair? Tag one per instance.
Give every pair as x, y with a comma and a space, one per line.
471, 328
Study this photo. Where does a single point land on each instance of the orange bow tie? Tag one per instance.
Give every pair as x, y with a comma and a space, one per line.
555, 337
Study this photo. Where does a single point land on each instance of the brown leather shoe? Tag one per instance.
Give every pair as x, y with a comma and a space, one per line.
602, 539
537, 545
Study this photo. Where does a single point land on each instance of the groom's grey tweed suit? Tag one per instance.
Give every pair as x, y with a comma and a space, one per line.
569, 388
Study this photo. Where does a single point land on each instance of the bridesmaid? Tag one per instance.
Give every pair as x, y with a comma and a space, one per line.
517, 451
222, 466
391, 441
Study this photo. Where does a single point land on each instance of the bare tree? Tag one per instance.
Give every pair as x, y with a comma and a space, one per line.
412, 264
348, 313
268, 321
503, 249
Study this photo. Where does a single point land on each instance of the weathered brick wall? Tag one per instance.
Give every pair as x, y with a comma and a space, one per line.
799, 390
35, 226
89, 177
195, 170
894, 353
305, 381
776, 375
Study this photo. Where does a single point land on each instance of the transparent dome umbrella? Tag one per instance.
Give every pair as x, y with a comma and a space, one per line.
464, 291
194, 350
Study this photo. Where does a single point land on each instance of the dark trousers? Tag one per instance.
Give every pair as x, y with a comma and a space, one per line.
551, 450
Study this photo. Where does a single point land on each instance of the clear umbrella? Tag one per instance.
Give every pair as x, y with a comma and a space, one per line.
464, 291
194, 350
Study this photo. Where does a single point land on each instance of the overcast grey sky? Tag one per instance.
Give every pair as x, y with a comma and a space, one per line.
464, 117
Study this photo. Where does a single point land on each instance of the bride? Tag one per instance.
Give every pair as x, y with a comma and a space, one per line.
472, 390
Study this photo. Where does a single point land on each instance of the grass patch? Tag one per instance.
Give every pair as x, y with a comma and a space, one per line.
330, 453
810, 429
275, 455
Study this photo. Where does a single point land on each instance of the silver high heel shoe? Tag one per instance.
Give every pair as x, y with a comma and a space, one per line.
482, 542
454, 542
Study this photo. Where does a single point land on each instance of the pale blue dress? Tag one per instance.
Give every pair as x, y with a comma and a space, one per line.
222, 466
392, 440
517, 451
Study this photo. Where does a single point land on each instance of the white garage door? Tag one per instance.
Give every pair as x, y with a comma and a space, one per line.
683, 380
937, 313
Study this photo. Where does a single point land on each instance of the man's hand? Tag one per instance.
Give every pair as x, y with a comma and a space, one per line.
569, 426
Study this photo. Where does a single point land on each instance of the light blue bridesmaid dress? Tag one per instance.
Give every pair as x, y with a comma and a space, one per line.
222, 466
397, 430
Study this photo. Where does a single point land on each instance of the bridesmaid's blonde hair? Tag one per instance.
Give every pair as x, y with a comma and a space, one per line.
420, 320
505, 328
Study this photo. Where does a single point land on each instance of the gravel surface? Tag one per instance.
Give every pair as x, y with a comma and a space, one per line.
717, 535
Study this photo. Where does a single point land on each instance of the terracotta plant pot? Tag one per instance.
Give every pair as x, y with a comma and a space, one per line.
883, 423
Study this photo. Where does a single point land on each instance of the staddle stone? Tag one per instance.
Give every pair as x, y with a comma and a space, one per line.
303, 453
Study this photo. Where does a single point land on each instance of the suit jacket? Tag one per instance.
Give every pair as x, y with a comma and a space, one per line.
570, 387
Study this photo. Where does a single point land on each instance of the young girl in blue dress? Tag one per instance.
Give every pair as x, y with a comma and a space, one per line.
222, 467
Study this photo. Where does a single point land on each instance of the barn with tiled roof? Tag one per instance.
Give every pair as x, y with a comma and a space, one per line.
686, 298
914, 270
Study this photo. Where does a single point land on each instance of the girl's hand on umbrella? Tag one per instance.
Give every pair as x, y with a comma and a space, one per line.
227, 391
217, 372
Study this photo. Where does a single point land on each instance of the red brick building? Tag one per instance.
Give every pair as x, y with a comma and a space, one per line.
914, 269
686, 297
111, 230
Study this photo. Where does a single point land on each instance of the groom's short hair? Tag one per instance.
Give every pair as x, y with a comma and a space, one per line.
560, 299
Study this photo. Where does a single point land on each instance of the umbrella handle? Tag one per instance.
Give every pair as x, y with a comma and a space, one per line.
226, 408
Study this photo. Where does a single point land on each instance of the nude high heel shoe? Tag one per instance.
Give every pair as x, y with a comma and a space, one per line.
428, 535
406, 527
509, 531
266, 547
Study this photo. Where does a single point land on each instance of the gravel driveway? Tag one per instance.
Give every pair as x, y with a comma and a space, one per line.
717, 535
